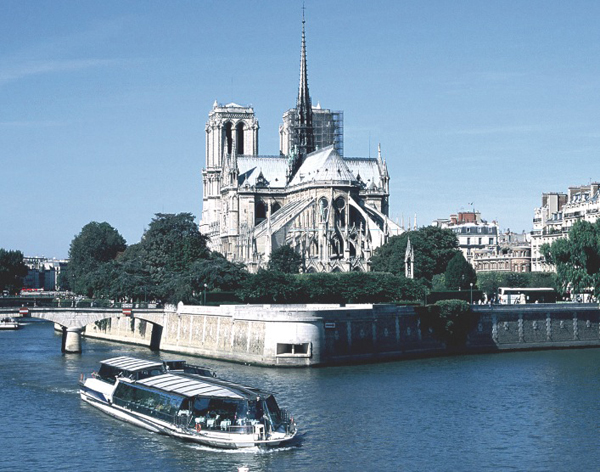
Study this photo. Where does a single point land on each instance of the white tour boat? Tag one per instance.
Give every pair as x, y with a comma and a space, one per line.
9, 323
187, 402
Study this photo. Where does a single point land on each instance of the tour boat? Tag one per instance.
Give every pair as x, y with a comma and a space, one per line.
9, 323
187, 402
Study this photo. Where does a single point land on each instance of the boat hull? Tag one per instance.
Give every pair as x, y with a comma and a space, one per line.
210, 438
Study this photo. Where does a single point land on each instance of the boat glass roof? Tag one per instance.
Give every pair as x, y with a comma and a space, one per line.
202, 386
131, 364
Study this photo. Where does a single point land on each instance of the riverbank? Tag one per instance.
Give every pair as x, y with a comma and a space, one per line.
309, 335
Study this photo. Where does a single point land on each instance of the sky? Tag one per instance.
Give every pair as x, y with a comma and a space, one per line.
477, 104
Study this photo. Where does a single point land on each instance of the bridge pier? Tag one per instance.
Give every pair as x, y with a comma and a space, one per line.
71, 340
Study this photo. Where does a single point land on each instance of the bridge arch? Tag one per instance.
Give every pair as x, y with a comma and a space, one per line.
74, 320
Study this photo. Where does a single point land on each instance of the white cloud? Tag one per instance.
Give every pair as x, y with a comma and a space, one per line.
36, 67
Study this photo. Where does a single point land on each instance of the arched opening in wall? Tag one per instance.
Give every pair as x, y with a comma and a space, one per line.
229, 136
340, 212
311, 270
260, 211
239, 138
274, 207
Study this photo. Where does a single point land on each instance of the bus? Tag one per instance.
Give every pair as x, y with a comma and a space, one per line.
512, 296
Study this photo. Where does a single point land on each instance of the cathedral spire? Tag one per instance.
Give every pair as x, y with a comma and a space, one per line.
304, 128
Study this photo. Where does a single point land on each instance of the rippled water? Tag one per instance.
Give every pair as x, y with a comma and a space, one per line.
533, 411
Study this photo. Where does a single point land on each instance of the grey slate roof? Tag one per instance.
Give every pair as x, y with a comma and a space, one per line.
273, 169
324, 165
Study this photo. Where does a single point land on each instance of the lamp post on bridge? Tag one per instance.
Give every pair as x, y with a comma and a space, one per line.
471, 292
204, 294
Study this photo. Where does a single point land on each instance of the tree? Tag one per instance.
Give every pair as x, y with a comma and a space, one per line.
172, 243
96, 245
488, 282
450, 321
12, 270
459, 273
285, 259
269, 287
217, 273
433, 247
165, 256
577, 258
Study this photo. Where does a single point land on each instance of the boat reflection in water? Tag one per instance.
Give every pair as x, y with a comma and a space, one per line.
187, 402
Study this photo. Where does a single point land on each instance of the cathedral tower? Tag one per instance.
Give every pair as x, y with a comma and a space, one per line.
231, 131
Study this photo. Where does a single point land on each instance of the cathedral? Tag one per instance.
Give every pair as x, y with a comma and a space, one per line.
331, 209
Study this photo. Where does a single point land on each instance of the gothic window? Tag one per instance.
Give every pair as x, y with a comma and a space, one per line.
228, 136
239, 138
340, 207
324, 208
260, 212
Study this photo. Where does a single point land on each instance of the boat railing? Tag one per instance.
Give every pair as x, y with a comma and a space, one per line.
288, 420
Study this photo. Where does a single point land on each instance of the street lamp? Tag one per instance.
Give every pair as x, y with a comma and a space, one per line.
471, 292
204, 294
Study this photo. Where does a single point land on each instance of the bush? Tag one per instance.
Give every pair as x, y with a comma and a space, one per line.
450, 321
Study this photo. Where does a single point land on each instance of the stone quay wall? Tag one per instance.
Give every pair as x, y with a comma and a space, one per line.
304, 335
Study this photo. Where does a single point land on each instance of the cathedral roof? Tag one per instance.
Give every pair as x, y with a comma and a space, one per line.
367, 168
323, 165
271, 168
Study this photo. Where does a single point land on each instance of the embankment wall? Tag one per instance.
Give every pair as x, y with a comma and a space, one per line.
303, 335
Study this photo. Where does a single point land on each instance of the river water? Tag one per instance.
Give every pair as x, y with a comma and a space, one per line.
529, 411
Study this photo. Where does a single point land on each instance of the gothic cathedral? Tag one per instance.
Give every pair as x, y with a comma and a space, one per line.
331, 209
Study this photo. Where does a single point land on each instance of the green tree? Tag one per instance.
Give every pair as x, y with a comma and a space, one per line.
168, 249
12, 270
488, 282
269, 287
577, 258
450, 321
459, 273
285, 259
96, 245
172, 243
433, 248
217, 273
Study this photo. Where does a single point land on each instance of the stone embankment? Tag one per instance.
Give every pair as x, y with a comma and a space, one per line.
304, 335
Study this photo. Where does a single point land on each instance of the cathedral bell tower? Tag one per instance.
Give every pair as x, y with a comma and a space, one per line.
231, 131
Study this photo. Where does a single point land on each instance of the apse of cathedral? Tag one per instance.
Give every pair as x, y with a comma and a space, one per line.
331, 209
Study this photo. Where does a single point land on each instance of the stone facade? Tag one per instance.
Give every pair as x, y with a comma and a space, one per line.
473, 233
558, 212
306, 335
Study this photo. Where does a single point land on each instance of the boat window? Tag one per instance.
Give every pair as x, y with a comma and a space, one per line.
219, 408
160, 405
274, 410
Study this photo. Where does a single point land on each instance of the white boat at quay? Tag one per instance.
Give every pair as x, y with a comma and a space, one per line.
9, 323
187, 402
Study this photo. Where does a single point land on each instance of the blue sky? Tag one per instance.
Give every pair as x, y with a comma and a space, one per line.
103, 104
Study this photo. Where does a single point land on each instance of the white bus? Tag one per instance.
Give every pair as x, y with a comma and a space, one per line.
512, 296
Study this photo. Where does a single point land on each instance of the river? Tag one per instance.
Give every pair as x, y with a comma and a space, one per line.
528, 411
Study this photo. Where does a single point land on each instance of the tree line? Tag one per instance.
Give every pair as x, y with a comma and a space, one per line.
172, 263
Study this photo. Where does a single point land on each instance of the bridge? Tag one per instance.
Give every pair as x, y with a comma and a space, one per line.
73, 320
